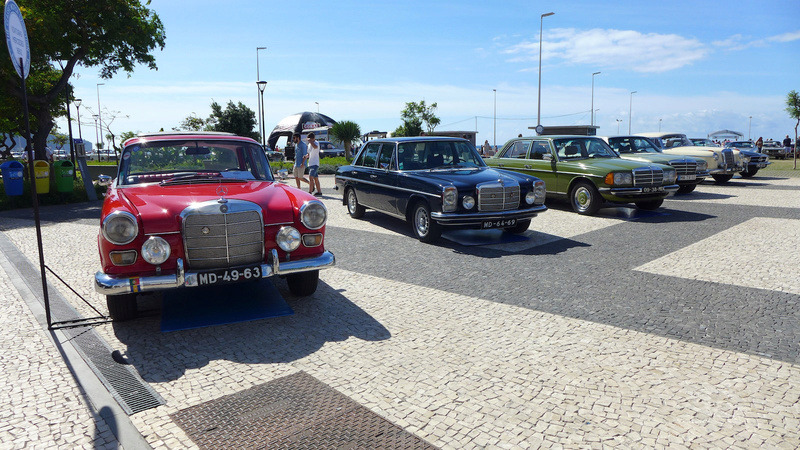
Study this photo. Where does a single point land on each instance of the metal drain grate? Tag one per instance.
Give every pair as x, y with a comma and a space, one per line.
296, 411
122, 381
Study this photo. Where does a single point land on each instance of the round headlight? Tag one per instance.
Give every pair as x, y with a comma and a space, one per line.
120, 227
530, 197
468, 202
155, 250
288, 239
670, 176
702, 165
716, 156
313, 215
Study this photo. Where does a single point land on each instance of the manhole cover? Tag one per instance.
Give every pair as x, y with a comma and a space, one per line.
294, 411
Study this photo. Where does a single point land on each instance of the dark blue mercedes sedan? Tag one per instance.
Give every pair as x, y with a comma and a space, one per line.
437, 182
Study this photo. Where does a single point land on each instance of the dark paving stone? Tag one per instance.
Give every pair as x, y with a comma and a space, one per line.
295, 411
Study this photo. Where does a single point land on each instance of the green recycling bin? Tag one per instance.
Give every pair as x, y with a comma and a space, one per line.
41, 170
63, 171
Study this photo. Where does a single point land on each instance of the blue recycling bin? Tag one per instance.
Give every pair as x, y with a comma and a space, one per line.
12, 177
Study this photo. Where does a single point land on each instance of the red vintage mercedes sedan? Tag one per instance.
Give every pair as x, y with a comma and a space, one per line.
188, 210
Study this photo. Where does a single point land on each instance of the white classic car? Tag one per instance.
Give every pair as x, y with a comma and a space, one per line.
723, 163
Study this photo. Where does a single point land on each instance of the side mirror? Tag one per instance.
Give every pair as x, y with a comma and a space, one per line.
103, 180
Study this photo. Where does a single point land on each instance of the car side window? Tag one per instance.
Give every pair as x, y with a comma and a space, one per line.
385, 157
369, 155
409, 156
539, 149
519, 149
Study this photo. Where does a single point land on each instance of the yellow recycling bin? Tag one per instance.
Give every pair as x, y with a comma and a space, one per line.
41, 170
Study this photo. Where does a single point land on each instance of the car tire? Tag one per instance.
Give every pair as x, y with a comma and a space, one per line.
520, 227
722, 178
584, 198
303, 284
121, 307
749, 173
422, 225
650, 205
686, 188
355, 209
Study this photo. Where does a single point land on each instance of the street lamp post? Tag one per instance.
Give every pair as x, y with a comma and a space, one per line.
78, 102
630, 112
494, 143
596, 73
96, 134
539, 109
659, 125
749, 127
261, 86
99, 115
259, 99
317, 107
618, 122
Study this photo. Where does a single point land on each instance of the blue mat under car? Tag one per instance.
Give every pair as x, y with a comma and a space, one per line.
468, 237
188, 308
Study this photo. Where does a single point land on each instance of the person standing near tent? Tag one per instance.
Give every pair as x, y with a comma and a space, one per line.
787, 145
313, 166
300, 151
759, 144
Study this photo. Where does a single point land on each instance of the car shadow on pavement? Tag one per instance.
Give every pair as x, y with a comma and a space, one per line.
326, 316
73, 212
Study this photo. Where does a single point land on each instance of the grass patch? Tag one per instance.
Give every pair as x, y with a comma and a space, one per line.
781, 167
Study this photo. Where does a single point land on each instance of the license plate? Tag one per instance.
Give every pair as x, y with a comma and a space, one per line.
502, 223
229, 275
647, 190
687, 177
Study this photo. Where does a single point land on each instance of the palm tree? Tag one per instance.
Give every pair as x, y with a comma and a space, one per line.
346, 132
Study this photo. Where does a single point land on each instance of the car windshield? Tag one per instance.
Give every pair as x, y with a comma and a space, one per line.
189, 161
628, 145
673, 140
437, 155
581, 148
741, 144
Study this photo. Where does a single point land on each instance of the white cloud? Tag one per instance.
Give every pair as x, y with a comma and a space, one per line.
737, 41
622, 49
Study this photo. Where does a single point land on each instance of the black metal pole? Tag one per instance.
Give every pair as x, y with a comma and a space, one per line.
71, 143
34, 195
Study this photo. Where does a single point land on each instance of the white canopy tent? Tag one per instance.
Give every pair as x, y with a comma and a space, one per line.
725, 134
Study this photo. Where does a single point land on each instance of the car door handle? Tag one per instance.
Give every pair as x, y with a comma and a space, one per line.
373, 176
354, 172
500, 165
527, 166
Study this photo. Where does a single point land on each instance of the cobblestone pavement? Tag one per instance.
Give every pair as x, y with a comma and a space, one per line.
679, 329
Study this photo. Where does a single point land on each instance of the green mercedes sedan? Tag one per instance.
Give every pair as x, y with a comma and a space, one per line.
587, 172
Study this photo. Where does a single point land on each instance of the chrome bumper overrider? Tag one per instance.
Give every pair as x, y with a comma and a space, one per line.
111, 285
476, 218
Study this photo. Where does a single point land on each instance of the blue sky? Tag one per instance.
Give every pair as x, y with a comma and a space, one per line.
697, 67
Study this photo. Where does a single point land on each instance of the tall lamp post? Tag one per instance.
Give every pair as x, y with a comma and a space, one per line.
317, 107
630, 112
539, 109
618, 122
96, 134
494, 143
659, 125
596, 73
259, 99
261, 86
99, 116
749, 127
78, 102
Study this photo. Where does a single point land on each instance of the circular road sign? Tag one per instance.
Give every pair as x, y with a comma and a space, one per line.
539, 129
17, 39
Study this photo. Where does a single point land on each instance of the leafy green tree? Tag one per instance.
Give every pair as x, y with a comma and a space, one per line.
192, 123
348, 133
414, 115
236, 119
793, 108
113, 35
125, 135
